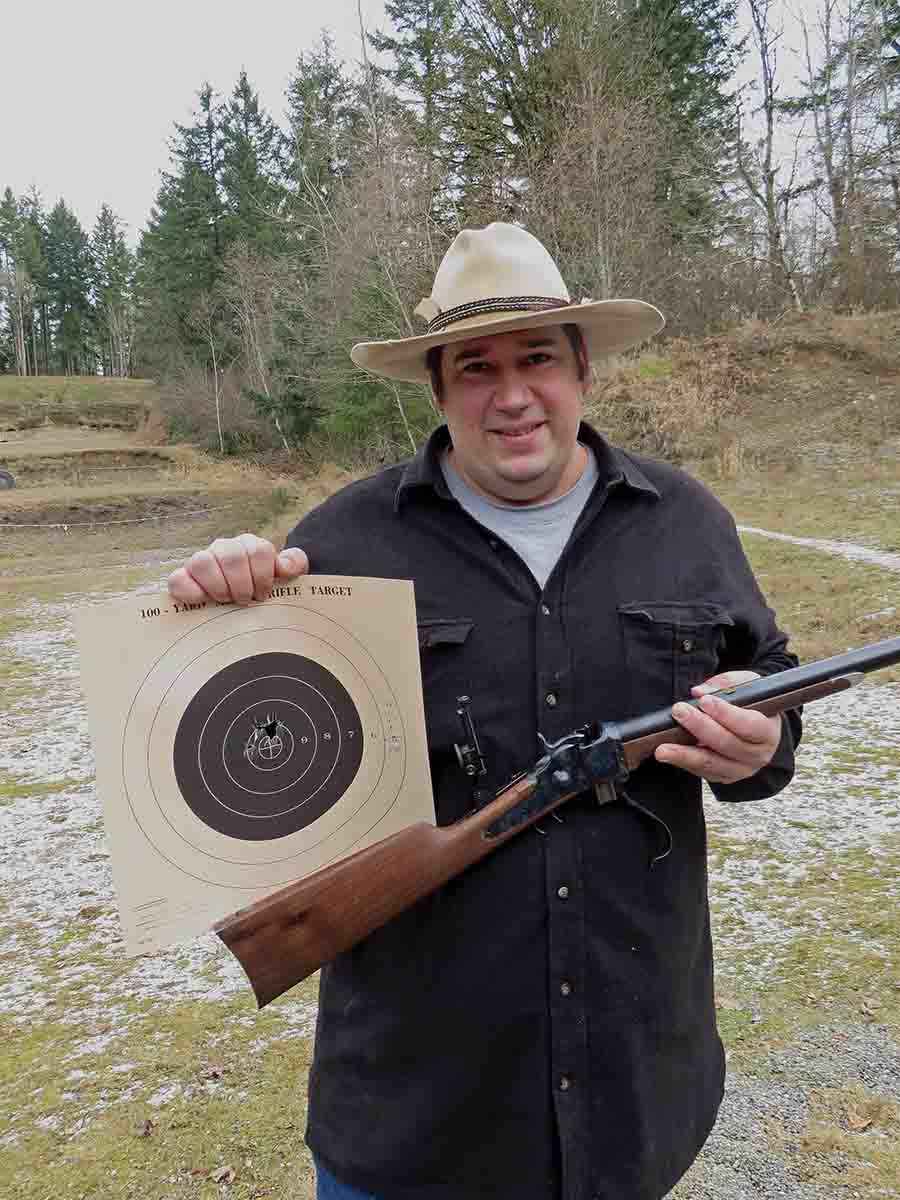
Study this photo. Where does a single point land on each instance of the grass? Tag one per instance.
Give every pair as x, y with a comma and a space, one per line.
26, 403
177, 1100
852, 1141
840, 968
840, 961
827, 604
13, 788
242, 495
806, 392
840, 504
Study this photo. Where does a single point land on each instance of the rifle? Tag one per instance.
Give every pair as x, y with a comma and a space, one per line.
283, 938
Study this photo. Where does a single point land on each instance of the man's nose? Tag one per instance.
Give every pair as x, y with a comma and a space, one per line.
511, 391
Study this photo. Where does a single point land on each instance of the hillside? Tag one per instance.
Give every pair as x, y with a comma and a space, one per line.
810, 389
795, 424
74, 400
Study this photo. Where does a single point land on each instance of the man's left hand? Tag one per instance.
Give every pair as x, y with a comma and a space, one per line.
732, 743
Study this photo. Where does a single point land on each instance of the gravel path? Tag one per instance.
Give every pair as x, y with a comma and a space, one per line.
738, 1162
879, 558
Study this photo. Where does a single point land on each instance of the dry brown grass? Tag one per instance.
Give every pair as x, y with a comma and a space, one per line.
838, 503
672, 405
28, 403
852, 1140
826, 604
816, 387
199, 499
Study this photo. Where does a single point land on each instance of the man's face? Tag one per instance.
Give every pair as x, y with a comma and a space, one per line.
513, 402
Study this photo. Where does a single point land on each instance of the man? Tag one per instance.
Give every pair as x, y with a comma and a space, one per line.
544, 1026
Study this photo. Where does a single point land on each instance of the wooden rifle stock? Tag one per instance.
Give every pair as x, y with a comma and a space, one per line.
283, 938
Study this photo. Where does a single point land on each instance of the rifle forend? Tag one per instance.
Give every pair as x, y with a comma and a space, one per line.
283, 938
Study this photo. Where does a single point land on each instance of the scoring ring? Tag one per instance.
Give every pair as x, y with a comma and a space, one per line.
235, 717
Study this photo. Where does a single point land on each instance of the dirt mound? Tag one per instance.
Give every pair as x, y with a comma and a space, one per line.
80, 512
87, 466
817, 387
35, 401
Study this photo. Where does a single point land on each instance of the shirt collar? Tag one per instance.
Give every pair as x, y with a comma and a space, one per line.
424, 471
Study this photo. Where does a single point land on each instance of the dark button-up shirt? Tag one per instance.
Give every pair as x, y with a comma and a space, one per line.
543, 1026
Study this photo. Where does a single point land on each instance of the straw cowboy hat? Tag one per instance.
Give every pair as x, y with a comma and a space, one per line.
495, 280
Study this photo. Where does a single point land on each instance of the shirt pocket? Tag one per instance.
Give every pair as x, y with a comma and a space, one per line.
445, 674
670, 646
445, 651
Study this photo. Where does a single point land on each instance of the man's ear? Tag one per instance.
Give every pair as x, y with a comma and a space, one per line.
585, 365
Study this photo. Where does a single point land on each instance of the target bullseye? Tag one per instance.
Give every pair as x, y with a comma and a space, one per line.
266, 746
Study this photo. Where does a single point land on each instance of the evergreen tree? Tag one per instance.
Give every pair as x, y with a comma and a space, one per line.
694, 48
113, 274
322, 118
181, 253
426, 55
252, 156
533, 65
69, 271
14, 281
198, 150
34, 259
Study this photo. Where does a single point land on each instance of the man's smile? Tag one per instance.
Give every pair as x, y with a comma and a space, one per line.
521, 432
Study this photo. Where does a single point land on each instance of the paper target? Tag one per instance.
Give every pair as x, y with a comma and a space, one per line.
242, 748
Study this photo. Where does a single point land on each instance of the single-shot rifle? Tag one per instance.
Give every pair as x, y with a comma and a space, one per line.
283, 938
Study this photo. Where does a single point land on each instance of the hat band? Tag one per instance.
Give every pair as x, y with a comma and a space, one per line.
496, 304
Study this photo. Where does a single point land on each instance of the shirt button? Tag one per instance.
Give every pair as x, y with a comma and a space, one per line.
565, 988
563, 892
687, 645
551, 699
545, 610
564, 1083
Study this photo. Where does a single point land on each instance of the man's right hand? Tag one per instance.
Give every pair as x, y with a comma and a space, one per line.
238, 569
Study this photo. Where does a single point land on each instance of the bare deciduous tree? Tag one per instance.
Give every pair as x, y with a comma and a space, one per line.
760, 176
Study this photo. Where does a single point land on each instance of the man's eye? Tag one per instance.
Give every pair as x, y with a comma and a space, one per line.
475, 368
538, 357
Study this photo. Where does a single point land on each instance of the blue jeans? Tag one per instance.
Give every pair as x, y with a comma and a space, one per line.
329, 1188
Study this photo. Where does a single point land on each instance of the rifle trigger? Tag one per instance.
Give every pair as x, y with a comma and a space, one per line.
605, 792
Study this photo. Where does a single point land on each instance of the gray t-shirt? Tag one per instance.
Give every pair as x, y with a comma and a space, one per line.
537, 532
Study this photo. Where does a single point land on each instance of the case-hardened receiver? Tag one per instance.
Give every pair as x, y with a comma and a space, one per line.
574, 763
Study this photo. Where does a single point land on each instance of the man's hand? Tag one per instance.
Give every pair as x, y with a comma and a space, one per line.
239, 569
733, 743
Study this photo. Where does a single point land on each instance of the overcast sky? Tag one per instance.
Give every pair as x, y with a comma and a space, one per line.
89, 91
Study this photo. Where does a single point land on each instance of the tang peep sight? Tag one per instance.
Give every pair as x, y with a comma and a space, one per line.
468, 751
